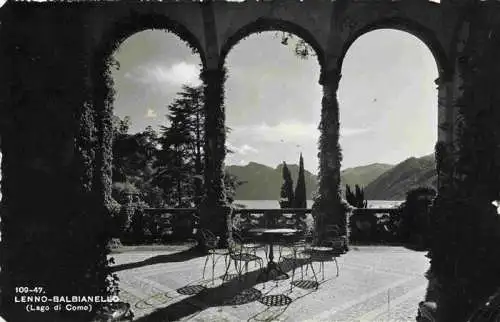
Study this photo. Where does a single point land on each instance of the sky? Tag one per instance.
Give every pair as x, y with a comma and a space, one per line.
387, 96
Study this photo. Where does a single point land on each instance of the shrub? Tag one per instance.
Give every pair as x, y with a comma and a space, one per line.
356, 198
415, 218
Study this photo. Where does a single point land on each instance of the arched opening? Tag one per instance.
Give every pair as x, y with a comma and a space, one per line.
104, 91
263, 25
388, 100
158, 136
388, 104
272, 108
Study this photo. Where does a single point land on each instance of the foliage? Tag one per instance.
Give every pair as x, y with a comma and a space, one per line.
161, 170
182, 156
231, 183
300, 196
378, 228
301, 48
181, 160
356, 198
287, 196
137, 230
466, 227
414, 225
134, 158
328, 206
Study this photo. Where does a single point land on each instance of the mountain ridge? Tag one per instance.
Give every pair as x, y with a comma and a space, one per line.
381, 181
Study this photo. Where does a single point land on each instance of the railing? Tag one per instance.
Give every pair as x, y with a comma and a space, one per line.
170, 210
174, 222
373, 225
246, 218
267, 218
267, 211
374, 211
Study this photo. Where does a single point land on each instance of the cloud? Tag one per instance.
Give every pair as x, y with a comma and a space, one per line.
345, 132
243, 150
288, 132
177, 74
284, 131
150, 113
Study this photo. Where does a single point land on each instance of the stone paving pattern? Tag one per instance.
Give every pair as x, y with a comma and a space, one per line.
376, 283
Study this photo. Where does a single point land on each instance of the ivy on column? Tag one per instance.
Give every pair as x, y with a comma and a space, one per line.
214, 209
328, 207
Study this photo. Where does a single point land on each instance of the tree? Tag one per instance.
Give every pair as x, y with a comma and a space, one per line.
300, 196
414, 216
175, 164
134, 155
231, 183
181, 159
287, 195
134, 158
356, 198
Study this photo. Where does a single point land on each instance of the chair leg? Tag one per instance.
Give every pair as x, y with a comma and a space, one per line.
254, 254
238, 268
227, 268
301, 270
337, 265
213, 267
205, 266
310, 262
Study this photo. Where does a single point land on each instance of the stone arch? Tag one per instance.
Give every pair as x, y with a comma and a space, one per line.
264, 24
443, 63
134, 23
99, 119
414, 28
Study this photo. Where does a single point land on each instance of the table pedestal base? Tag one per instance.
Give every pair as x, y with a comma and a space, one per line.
272, 272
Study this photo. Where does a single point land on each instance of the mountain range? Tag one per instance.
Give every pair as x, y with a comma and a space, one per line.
381, 181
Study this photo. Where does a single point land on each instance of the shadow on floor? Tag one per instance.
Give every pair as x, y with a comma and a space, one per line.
409, 246
224, 294
169, 258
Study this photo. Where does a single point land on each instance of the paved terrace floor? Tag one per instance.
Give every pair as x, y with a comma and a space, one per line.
376, 283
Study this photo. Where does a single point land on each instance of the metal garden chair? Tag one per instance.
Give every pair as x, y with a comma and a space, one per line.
239, 256
248, 244
211, 243
301, 256
329, 249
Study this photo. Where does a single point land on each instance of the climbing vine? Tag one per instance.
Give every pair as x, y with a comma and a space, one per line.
466, 225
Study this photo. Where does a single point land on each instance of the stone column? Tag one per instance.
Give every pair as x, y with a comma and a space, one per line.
328, 207
445, 143
52, 237
214, 209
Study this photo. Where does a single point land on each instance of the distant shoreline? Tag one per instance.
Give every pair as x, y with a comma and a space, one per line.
274, 204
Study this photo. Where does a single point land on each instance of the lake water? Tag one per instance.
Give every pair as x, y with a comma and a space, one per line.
274, 204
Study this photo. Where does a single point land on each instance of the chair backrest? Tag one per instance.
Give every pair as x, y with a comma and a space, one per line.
209, 239
237, 237
234, 248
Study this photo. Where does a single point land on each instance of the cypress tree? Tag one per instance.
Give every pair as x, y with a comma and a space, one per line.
355, 198
300, 198
360, 197
287, 195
